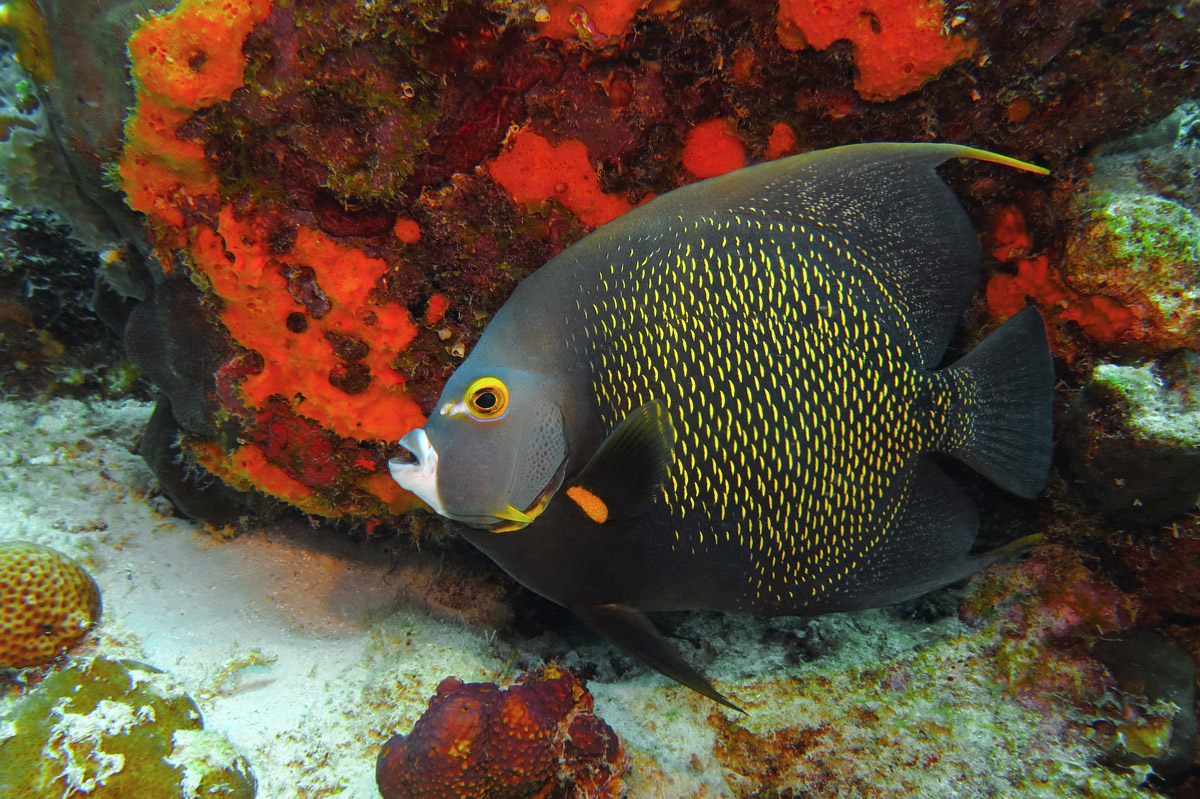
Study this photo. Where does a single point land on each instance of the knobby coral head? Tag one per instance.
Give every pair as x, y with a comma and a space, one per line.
48, 602
537, 738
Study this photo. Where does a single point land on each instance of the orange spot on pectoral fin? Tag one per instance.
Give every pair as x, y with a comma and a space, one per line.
589, 503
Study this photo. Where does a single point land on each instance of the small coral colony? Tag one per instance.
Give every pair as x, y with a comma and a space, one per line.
513, 264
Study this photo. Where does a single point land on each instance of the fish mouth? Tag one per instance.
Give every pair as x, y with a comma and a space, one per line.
416, 469
511, 518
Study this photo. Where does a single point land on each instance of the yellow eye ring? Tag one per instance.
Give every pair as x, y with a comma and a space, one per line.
487, 399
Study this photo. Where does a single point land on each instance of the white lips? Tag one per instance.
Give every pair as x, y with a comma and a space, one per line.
420, 477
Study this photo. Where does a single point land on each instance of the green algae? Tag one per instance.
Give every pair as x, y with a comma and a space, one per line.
1145, 228
1142, 249
110, 729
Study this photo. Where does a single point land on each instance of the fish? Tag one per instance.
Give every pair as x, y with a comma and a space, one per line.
732, 398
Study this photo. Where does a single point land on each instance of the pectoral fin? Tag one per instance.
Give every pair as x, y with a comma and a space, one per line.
627, 470
631, 630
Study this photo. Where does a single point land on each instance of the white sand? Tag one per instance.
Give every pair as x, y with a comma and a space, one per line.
270, 632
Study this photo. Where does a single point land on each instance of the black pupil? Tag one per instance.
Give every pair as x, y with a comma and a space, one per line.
486, 400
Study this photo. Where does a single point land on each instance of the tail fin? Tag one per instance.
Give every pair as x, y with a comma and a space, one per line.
1009, 432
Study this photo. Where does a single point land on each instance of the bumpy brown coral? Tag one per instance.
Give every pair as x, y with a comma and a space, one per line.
47, 603
538, 738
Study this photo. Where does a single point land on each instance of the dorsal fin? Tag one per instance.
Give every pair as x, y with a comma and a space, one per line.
884, 201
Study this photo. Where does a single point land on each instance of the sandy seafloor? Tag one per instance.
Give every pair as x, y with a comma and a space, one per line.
306, 651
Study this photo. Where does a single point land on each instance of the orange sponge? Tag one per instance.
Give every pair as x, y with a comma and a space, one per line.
899, 45
564, 19
47, 603
319, 374
192, 57
1007, 238
1106, 321
781, 142
181, 61
533, 170
259, 292
712, 148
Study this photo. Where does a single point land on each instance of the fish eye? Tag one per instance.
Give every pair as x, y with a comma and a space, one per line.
487, 399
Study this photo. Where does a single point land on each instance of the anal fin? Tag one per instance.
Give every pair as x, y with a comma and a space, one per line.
631, 630
929, 544
926, 546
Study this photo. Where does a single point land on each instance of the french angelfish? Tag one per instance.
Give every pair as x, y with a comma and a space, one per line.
727, 399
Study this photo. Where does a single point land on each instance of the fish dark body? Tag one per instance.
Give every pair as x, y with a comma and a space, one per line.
727, 399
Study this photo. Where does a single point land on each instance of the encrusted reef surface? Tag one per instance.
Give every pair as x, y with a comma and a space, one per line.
297, 217
53, 337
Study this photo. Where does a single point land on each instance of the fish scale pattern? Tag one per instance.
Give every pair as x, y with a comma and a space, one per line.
785, 363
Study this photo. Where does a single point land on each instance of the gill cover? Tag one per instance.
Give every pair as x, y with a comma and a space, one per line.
497, 447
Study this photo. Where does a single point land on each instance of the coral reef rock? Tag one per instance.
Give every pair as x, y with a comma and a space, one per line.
115, 730
51, 337
1151, 670
1132, 438
537, 738
1126, 278
1135, 238
33, 173
47, 603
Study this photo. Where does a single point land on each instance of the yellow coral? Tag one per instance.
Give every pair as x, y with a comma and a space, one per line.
33, 48
47, 603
